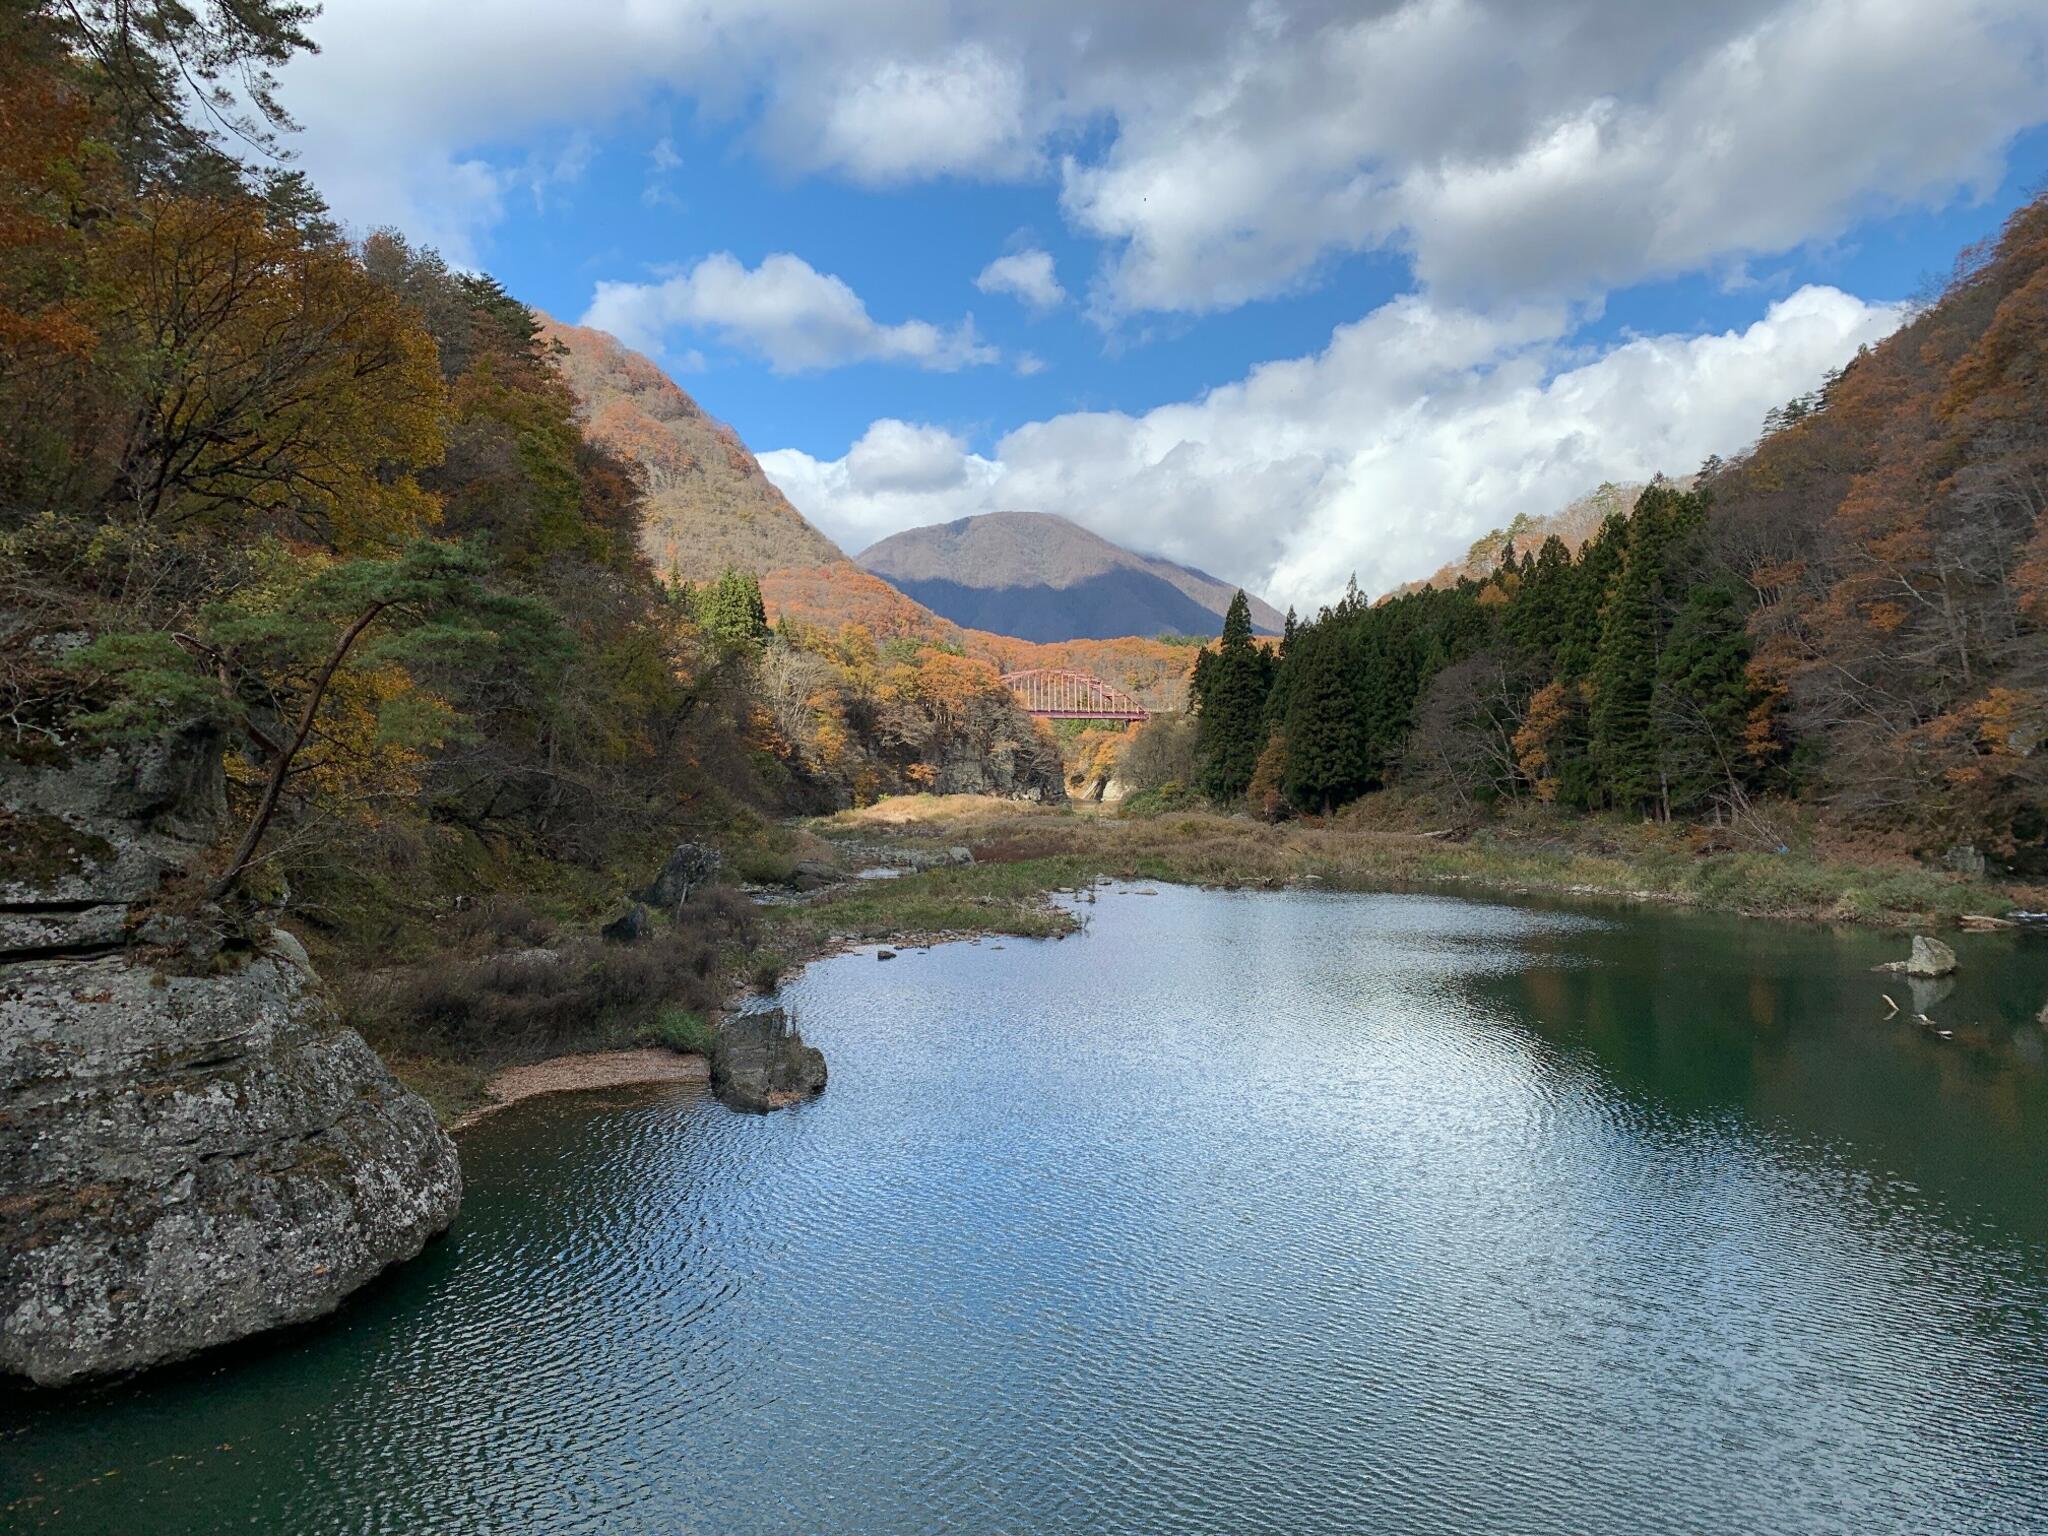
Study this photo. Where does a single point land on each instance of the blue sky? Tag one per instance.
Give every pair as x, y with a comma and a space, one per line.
1339, 286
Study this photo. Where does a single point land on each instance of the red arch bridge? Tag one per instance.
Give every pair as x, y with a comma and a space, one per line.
1058, 693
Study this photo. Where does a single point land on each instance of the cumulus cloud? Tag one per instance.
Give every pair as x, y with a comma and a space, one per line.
1553, 147
1416, 429
898, 475
900, 119
784, 311
1228, 149
1025, 275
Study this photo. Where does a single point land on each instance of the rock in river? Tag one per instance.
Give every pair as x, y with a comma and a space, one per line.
192, 1148
760, 1063
1930, 957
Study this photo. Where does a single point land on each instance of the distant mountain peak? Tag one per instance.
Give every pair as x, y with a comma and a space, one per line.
1040, 576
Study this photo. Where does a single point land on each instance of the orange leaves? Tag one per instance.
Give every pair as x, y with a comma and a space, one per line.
277, 380
1267, 793
2010, 722
49, 174
1550, 712
948, 682
1763, 731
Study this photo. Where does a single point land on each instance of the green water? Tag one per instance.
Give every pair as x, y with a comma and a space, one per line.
1235, 1213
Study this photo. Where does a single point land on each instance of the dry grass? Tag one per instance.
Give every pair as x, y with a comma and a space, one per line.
1367, 847
934, 815
495, 1005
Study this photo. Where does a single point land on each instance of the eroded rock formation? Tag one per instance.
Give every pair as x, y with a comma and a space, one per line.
192, 1149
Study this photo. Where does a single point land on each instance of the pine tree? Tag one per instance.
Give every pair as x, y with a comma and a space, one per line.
1230, 697
1704, 697
730, 611
1585, 598
1325, 721
1625, 745
1535, 621
1282, 690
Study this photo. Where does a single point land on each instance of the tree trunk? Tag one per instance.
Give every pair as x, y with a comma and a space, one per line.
281, 766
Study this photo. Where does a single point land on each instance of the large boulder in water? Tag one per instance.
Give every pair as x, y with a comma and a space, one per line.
761, 1063
193, 1159
192, 1148
1930, 957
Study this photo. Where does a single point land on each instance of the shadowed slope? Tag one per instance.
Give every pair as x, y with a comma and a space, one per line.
1040, 577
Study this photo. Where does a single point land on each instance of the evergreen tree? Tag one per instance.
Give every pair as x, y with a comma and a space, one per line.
1282, 691
730, 611
1703, 697
1625, 743
1536, 618
1325, 726
1585, 598
1230, 697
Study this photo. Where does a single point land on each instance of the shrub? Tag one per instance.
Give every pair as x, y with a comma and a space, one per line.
681, 1029
763, 866
502, 922
578, 995
767, 970
1170, 796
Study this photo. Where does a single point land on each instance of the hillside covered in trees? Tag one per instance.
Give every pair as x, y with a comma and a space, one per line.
1850, 619
707, 507
333, 504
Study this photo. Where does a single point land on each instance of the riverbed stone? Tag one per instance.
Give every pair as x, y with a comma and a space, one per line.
1930, 957
759, 1062
814, 874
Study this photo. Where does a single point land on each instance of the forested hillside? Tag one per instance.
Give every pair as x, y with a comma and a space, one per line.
330, 504
1847, 620
705, 503
1573, 524
708, 508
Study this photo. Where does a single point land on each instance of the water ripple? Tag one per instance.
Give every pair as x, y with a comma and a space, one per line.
1241, 1213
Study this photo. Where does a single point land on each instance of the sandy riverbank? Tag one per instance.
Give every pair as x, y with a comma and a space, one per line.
594, 1069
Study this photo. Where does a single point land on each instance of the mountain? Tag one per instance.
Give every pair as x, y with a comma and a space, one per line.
1575, 523
708, 504
1040, 577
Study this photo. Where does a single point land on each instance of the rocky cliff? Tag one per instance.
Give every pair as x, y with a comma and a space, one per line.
192, 1149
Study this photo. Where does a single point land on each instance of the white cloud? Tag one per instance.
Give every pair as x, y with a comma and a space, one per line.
1026, 275
1225, 149
897, 456
543, 174
662, 164
898, 475
1554, 148
894, 119
1415, 430
784, 311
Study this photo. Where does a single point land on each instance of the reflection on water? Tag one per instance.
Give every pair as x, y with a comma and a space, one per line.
1236, 1213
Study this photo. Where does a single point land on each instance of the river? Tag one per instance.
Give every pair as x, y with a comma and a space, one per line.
1233, 1213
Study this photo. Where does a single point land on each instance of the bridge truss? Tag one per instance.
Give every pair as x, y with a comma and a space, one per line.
1059, 693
